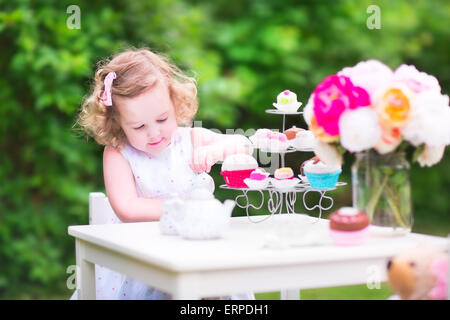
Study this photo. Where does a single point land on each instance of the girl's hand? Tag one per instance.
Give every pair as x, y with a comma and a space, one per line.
203, 158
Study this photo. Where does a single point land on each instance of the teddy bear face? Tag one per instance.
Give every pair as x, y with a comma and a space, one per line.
401, 277
409, 274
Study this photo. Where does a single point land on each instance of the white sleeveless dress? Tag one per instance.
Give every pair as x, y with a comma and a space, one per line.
158, 177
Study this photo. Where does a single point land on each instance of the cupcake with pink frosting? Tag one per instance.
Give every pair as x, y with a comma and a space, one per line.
269, 140
348, 226
259, 179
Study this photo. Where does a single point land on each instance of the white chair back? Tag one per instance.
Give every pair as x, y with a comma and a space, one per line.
100, 210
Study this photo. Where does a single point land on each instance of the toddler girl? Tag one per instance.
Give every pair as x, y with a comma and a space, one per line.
141, 109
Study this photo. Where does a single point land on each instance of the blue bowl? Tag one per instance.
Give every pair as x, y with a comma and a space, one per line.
323, 180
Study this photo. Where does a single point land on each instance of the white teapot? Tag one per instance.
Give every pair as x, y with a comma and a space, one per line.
201, 216
204, 180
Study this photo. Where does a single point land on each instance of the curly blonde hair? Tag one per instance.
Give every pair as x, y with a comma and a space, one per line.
137, 70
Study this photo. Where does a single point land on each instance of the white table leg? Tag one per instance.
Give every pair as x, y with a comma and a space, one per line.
186, 288
86, 273
292, 294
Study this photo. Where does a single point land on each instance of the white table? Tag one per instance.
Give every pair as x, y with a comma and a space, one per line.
237, 263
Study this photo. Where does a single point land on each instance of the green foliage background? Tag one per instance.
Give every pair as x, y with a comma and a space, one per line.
243, 52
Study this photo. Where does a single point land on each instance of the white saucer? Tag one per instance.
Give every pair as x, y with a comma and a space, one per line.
256, 184
284, 184
287, 108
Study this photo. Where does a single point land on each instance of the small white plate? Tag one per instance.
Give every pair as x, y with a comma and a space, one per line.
284, 184
293, 144
287, 108
256, 184
276, 111
266, 145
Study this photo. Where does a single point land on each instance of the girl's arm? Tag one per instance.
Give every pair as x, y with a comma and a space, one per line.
210, 147
121, 190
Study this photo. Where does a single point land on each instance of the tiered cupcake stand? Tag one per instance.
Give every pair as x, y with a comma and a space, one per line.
276, 197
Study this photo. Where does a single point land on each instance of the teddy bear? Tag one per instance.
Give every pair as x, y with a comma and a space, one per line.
420, 273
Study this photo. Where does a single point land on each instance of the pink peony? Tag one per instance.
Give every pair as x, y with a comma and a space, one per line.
332, 97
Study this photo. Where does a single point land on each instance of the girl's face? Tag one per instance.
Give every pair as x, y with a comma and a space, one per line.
148, 119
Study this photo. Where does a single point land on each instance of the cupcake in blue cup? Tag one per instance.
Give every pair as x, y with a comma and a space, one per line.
320, 175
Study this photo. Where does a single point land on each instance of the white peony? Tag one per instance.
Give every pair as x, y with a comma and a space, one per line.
384, 148
308, 110
431, 155
415, 80
359, 129
390, 139
430, 120
327, 153
372, 75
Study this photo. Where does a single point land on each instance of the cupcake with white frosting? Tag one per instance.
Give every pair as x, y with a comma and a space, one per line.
284, 178
236, 168
260, 138
320, 175
287, 101
304, 140
292, 132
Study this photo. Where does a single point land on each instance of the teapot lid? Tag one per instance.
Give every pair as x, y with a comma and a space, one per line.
200, 194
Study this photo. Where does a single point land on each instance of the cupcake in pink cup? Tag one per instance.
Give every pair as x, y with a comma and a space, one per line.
348, 226
259, 179
236, 168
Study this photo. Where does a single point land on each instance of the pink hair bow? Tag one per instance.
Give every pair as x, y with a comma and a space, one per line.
106, 96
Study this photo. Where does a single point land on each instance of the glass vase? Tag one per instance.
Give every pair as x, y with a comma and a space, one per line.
381, 188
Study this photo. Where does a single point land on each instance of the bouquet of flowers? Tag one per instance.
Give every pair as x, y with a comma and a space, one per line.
369, 106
